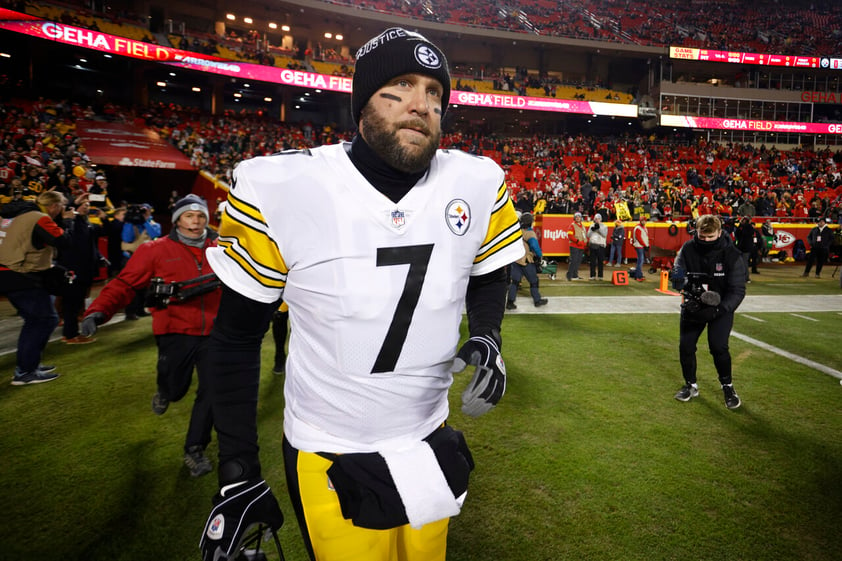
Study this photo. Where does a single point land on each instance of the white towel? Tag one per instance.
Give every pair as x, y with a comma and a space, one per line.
421, 484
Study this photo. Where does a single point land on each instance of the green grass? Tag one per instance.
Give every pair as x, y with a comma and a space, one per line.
588, 456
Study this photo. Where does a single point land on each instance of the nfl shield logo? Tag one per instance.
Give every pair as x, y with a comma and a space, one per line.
398, 218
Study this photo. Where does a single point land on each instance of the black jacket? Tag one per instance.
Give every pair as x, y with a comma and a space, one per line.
826, 235
722, 266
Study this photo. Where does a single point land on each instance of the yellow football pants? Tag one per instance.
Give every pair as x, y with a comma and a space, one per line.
330, 537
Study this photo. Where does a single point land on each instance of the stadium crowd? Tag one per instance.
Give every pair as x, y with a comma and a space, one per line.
761, 27
764, 27
661, 177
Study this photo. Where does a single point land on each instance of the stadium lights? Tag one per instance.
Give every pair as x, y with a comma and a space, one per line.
284, 28
248, 21
196, 89
273, 25
328, 35
238, 95
267, 99
5, 55
161, 84
340, 37
231, 17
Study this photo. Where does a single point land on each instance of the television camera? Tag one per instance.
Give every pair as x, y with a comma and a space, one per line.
161, 294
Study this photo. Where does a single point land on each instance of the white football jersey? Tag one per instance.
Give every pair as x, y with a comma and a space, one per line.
375, 288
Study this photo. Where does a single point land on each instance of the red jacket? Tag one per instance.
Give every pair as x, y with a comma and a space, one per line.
174, 262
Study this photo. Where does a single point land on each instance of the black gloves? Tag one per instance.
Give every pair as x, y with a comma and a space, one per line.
90, 323
489, 382
695, 311
706, 314
238, 509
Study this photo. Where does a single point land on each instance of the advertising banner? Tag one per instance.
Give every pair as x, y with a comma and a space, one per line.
123, 144
664, 240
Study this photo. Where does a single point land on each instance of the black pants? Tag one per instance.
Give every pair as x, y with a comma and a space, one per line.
719, 331
178, 355
72, 304
597, 257
520, 271
817, 255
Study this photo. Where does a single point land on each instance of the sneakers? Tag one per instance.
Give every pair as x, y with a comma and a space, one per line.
159, 404
197, 462
37, 377
44, 368
687, 392
541, 302
279, 369
732, 400
78, 340
511, 305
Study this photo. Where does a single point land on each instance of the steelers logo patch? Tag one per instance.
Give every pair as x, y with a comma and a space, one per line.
458, 216
426, 56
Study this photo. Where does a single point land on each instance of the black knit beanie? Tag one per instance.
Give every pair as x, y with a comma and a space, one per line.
395, 52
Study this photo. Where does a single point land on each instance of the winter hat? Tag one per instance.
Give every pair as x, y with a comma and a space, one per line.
393, 53
189, 202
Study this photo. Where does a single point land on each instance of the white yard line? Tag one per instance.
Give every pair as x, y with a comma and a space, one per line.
791, 356
753, 318
804, 317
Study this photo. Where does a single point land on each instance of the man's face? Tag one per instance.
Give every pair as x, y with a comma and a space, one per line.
192, 223
56, 208
709, 237
402, 121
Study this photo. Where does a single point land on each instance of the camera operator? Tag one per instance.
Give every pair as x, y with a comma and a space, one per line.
711, 274
181, 328
138, 228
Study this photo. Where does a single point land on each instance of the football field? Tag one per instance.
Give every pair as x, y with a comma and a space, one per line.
587, 457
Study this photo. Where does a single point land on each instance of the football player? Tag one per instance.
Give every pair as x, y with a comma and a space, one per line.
377, 246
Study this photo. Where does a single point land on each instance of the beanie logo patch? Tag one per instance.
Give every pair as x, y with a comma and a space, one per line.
426, 56
458, 216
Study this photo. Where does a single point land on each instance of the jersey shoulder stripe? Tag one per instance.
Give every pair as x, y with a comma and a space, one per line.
503, 228
245, 238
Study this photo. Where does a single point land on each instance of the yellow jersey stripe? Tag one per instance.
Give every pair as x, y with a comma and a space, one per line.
245, 209
503, 227
249, 269
246, 240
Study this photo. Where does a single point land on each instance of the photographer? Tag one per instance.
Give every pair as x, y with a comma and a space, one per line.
710, 272
138, 228
526, 266
82, 259
597, 239
30, 232
181, 328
